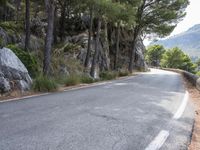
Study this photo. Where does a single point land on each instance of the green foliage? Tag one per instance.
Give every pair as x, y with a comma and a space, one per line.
44, 84
175, 58
154, 54
27, 59
11, 26
198, 73
71, 47
198, 62
159, 17
123, 73
87, 79
1, 42
72, 80
108, 75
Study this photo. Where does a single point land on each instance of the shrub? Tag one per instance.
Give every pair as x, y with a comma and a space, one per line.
44, 84
87, 79
123, 73
1, 42
27, 59
72, 80
108, 75
71, 47
198, 73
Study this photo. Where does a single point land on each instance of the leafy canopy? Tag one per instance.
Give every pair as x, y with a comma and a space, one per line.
176, 58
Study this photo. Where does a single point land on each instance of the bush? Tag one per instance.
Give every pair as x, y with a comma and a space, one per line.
44, 84
87, 79
123, 73
108, 75
198, 73
27, 59
72, 80
71, 47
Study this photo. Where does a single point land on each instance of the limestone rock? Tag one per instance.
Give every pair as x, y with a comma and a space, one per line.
4, 85
13, 70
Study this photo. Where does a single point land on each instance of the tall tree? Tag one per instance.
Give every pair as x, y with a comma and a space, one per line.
157, 17
96, 54
154, 54
176, 58
27, 22
50, 8
103, 8
91, 9
63, 4
124, 17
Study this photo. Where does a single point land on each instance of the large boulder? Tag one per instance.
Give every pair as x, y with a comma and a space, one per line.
13, 73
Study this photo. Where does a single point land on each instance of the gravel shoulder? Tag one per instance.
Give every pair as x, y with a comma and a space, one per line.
195, 97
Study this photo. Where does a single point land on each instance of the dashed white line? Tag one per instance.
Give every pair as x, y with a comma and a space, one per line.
159, 140
181, 109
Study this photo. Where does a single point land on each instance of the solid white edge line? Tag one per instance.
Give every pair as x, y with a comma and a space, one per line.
181, 109
159, 140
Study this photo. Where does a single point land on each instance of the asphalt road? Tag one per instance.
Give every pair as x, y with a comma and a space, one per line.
141, 112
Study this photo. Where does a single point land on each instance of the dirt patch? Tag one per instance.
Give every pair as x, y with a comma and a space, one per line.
195, 97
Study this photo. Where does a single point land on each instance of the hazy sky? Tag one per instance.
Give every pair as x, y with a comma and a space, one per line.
192, 17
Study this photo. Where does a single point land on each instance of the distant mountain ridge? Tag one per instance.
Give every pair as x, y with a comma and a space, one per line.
188, 41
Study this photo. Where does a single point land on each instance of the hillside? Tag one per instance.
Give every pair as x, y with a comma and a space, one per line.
188, 41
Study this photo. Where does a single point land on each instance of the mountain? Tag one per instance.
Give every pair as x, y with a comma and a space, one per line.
188, 41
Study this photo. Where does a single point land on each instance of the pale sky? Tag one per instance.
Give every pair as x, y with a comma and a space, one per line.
192, 17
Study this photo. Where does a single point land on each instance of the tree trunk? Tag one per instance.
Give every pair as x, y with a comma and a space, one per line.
96, 54
55, 39
89, 39
18, 4
62, 21
117, 46
133, 50
50, 7
27, 21
106, 46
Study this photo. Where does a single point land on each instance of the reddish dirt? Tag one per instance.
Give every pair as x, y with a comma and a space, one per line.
195, 97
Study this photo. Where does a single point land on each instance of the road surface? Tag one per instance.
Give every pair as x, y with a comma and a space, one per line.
145, 112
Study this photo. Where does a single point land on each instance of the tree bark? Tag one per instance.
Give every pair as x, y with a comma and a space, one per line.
62, 21
117, 46
96, 54
50, 7
133, 50
55, 39
89, 39
27, 29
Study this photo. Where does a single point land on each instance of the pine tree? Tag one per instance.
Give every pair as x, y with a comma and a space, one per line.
50, 8
157, 17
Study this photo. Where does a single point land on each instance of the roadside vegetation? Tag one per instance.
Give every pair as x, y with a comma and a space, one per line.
67, 43
158, 56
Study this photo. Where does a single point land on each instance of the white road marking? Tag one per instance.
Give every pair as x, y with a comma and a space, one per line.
181, 109
159, 140
120, 84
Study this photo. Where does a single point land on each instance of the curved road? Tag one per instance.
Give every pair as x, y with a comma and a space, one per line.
146, 112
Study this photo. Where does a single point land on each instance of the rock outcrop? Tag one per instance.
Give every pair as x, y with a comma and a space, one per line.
13, 73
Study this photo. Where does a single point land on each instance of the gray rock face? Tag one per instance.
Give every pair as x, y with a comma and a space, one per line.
4, 85
12, 70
